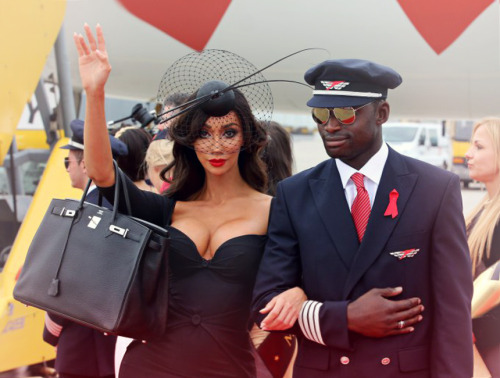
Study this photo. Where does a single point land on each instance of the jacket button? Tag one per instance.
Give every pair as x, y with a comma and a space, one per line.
385, 361
344, 360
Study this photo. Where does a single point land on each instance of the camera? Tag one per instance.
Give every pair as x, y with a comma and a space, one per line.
142, 115
147, 119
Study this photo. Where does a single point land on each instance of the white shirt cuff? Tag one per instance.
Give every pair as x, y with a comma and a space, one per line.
309, 321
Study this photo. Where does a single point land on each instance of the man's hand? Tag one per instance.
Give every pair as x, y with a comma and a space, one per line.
374, 315
283, 310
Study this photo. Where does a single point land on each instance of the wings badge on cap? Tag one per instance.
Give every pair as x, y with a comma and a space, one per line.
335, 84
406, 253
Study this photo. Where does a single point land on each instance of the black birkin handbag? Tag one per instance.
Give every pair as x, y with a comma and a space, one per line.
99, 268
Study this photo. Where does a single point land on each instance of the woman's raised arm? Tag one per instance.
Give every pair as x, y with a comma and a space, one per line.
94, 72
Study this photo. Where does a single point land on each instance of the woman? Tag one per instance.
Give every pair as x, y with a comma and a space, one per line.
219, 213
137, 141
483, 160
158, 156
277, 155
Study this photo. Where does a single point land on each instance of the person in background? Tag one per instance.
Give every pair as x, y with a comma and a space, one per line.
137, 141
170, 102
158, 156
367, 250
483, 160
81, 351
277, 155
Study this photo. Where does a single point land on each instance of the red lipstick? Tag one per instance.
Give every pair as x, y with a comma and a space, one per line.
217, 162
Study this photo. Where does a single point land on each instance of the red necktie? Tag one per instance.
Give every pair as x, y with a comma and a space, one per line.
360, 208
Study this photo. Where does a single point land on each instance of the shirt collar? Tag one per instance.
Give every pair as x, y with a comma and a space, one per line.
372, 169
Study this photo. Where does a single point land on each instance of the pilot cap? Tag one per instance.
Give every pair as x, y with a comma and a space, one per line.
349, 82
76, 142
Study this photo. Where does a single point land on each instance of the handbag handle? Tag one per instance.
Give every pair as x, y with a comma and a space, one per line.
84, 195
120, 176
119, 181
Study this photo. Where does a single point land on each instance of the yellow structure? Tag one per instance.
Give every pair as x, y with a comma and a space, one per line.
28, 30
33, 139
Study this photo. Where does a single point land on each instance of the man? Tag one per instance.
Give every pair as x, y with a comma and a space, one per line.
170, 102
81, 351
375, 239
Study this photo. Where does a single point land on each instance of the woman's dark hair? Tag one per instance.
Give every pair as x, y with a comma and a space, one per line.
278, 156
189, 176
137, 141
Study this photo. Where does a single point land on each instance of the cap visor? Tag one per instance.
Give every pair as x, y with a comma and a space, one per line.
70, 147
318, 101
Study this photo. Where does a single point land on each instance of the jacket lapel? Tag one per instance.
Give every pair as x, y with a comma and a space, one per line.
380, 227
329, 198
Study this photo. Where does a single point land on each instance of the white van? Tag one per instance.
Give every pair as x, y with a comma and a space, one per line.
424, 141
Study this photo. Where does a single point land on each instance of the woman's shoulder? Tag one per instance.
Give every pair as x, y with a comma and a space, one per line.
261, 199
263, 196
260, 207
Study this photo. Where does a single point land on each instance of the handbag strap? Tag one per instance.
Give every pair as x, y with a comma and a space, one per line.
84, 195
121, 176
119, 182
54, 284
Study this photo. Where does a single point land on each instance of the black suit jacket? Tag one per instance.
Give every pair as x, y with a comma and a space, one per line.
82, 350
313, 244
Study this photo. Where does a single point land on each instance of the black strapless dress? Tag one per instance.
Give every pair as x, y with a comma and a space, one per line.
208, 318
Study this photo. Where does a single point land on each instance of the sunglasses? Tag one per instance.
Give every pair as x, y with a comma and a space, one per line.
345, 116
67, 161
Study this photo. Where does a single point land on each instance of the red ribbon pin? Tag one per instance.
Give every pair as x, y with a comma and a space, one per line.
392, 208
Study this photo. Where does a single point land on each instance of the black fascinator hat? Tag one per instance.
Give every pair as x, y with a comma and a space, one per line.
212, 74
218, 82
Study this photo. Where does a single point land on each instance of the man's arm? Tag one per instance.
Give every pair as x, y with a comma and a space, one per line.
280, 268
53, 328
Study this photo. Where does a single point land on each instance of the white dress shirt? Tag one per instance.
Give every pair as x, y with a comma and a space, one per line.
372, 171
